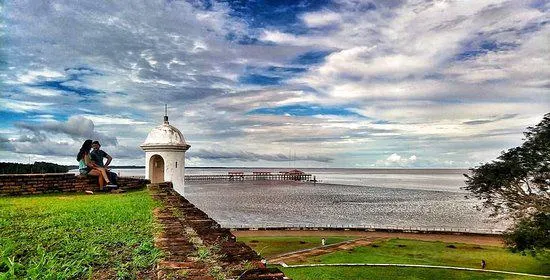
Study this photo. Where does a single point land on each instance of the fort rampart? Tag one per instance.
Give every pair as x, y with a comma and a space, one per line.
26, 184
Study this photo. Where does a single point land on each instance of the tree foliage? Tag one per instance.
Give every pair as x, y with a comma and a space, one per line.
517, 185
530, 234
36, 167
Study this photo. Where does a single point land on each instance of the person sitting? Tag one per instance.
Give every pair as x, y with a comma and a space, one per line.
87, 167
97, 156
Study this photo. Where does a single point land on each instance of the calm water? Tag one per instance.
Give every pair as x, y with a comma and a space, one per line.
429, 198
425, 179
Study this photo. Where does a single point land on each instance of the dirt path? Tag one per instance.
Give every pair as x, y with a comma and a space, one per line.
468, 239
363, 239
302, 255
366, 238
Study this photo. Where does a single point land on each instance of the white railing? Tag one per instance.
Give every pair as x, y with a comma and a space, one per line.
449, 230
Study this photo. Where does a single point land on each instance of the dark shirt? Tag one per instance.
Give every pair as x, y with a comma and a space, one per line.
97, 156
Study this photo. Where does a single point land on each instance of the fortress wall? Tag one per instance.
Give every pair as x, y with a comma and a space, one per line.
180, 221
27, 184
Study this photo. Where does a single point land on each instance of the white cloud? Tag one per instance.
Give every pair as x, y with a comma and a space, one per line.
44, 74
23, 106
76, 127
41, 91
423, 38
397, 160
416, 71
278, 37
112, 120
319, 19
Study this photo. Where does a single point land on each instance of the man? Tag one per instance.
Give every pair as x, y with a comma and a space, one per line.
97, 156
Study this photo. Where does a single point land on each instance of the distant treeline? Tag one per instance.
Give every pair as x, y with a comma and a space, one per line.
36, 167
113, 166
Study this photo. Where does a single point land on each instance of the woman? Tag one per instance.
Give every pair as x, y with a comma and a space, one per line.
87, 167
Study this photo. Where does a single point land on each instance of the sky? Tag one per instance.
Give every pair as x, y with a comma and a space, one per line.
343, 83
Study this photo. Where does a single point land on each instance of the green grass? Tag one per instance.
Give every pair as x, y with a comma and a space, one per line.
67, 236
437, 253
272, 246
406, 252
389, 273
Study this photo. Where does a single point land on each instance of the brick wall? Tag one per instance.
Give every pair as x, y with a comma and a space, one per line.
180, 220
25, 184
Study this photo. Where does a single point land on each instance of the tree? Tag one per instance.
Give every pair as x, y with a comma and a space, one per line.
36, 167
517, 186
530, 234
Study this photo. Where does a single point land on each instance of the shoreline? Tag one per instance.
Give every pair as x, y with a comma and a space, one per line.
420, 230
477, 239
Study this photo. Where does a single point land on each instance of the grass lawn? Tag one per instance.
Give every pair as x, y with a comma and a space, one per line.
436, 253
407, 252
272, 246
389, 273
67, 236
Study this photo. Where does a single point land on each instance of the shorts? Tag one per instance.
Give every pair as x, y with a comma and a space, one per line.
84, 171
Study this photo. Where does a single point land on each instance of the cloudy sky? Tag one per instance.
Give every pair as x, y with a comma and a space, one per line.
343, 83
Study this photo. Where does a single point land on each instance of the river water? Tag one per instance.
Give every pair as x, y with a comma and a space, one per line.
418, 198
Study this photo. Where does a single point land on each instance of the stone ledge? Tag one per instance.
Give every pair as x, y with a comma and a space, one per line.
184, 225
29, 184
35, 174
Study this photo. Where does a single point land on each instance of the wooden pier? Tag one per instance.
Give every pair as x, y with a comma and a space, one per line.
240, 176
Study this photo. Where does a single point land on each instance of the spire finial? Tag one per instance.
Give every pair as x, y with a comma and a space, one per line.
166, 113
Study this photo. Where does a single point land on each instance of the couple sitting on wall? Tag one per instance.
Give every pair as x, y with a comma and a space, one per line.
91, 163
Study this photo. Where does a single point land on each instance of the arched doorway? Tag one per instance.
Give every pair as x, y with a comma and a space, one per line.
156, 169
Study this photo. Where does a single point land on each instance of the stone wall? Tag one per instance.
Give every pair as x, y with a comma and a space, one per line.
25, 184
187, 231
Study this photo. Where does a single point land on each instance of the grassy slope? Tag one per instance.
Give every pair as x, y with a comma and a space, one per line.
413, 252
75, 235
272, 246
437, 253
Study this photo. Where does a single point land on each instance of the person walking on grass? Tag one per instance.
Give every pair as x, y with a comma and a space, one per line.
97, 155
87, 167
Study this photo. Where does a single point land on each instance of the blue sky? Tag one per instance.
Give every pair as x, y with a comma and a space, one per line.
332, 83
